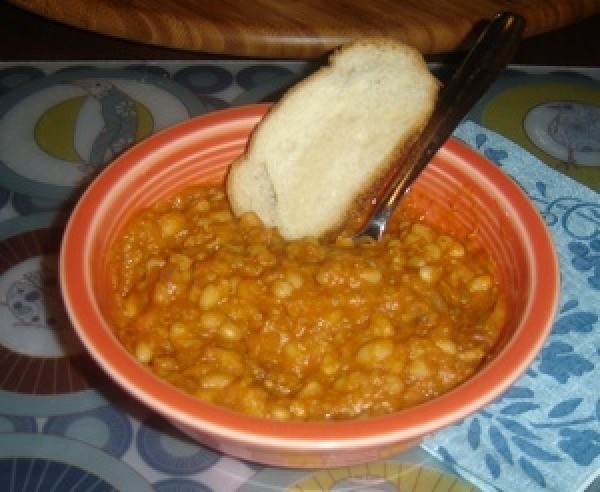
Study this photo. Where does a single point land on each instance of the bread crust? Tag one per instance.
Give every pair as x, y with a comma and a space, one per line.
261, 179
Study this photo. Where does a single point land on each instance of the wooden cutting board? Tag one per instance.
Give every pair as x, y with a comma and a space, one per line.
299, 28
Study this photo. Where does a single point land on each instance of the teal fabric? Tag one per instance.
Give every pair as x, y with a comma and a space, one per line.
544, 432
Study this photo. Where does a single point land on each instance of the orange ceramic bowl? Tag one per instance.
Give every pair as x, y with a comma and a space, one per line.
459, 189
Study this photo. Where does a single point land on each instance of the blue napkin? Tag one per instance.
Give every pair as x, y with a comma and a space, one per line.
544, 432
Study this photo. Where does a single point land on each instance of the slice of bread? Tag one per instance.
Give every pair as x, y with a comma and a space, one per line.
319, 152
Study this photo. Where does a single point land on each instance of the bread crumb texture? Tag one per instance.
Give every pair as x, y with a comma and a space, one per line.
331, 137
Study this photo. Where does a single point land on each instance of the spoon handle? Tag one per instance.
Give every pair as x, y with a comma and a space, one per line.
482, 65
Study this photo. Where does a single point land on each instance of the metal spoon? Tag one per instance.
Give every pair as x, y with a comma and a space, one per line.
483, 64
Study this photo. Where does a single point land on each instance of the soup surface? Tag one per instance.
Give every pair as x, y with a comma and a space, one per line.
226, 310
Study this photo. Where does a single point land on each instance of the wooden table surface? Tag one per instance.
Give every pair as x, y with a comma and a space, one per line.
302, 28
26, 36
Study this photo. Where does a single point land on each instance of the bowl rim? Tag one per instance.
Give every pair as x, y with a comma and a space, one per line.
194, 414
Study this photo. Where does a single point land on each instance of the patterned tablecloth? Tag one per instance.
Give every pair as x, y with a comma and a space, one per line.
64, 426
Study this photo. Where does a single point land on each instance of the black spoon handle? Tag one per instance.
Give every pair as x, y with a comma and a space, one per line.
483, 64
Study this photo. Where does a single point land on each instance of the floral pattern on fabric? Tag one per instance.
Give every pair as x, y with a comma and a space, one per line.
544, 432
